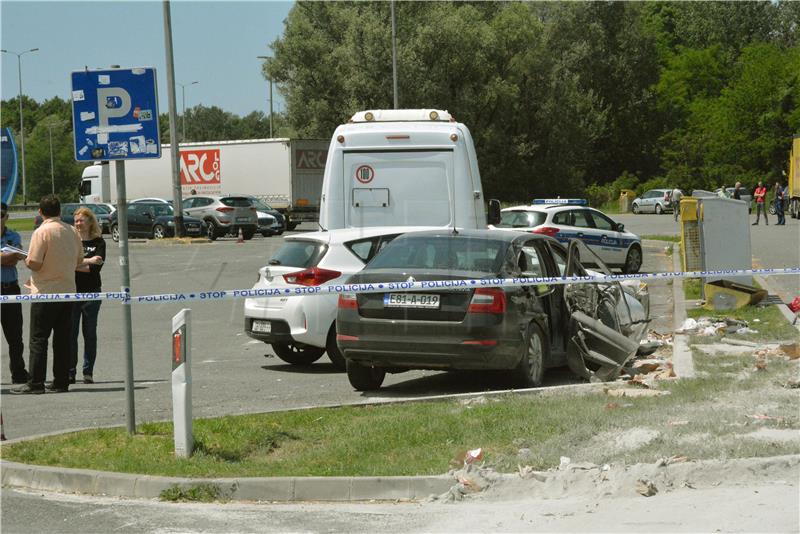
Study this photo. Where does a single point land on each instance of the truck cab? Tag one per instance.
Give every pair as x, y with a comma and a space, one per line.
411, 167
95, 184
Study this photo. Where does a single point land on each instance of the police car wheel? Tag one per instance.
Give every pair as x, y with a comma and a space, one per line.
633, 261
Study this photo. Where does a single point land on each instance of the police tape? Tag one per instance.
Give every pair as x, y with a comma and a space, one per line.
381, 287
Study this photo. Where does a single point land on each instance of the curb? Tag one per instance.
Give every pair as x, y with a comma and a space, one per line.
285, 489
790, 316
682, 361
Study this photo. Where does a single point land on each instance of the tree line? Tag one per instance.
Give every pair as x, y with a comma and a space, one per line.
562, 98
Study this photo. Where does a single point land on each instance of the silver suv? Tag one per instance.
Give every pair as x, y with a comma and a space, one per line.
224, 215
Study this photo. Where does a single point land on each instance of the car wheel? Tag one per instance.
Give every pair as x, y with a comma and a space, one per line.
296, 355
337, 359
635, 208
772, 210
115, 232
633, 261
248, 234
364, 378
659, 209
212, 231
530, 371
265, 234
158, 232
291, 226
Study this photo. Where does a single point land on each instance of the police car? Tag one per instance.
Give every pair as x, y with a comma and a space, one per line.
567, 219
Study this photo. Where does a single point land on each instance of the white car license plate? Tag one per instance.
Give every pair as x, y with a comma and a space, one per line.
242, 219
411, 300
263, 327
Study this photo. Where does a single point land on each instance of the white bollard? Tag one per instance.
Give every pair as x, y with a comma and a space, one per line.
182, 383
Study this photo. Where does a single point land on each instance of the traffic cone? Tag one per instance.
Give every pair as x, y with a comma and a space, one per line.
241, 237
2, 432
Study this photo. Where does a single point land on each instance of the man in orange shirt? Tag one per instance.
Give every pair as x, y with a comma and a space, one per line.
55, 252
760, 195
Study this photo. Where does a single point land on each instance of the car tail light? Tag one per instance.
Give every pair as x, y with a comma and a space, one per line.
225, 209
343, 337
481, 342
488, 300
347, 301
311, 277
546, 230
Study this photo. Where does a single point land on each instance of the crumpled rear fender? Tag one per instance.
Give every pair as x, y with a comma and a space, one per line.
595, 351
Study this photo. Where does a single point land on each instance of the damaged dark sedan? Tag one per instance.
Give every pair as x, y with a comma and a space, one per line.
461, 325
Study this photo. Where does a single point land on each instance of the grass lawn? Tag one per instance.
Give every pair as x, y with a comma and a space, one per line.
662, 237
21, 225
704, 417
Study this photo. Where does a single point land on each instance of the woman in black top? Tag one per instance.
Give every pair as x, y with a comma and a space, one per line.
87, 280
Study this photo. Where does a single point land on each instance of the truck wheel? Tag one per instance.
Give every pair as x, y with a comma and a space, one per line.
364, 378
337, 359
213, 233
296, 355
115, 232
158, 232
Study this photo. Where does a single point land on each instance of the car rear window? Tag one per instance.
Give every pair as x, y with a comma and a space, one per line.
521, 219
299, 253
442, 253
236, 202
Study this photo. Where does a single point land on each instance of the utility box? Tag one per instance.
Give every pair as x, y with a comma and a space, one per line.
715, 235
626, 197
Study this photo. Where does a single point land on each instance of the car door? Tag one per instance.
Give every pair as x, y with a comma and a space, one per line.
610, 245
543, 302
138, 222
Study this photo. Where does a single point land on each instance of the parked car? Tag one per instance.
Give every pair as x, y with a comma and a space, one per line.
155, 220
101, 212
656, 201
224, 215
151, 200
616, 246
270, 221
302, 328
595, 328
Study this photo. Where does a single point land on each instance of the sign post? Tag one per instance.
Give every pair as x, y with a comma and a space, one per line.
182, 383
115, 117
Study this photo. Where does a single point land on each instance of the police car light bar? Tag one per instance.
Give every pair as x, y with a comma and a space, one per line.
579, 201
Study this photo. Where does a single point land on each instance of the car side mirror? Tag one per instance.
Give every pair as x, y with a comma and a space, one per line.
494, 211
620, 227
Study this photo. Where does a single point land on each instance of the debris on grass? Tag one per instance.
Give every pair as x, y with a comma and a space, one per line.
646, 487
791, 350
631, 393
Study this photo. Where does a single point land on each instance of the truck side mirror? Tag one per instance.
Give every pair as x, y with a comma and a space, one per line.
494, 211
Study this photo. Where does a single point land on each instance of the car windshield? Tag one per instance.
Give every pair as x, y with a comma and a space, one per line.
298, 253
100, 209
236, 202
162, 209
260, 205
452, 253
521, 219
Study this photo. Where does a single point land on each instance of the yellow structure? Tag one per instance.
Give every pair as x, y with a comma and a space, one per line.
724, 295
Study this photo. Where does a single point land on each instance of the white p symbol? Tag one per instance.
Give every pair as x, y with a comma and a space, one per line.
107, 94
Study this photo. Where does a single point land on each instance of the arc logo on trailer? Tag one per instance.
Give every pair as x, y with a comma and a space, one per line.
365, 174
310, 160
200, 167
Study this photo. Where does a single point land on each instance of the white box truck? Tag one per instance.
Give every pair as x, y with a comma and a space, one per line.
285, 173
403, 167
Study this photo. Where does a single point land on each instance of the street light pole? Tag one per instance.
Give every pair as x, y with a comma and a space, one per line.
50, 127
270, 99
183, 105
21, 122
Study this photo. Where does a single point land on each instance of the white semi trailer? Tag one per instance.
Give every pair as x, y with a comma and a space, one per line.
285, 173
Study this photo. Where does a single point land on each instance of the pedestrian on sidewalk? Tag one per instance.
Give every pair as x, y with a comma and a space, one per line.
11, 312
760, 194
779, 202
55, 252
87, 280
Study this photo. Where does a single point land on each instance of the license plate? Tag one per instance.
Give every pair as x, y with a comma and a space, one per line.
242, 219
411, 300
263, 327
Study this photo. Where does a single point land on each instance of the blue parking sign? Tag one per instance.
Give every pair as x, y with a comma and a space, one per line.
115, 114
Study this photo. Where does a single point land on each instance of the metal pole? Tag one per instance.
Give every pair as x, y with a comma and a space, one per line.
52, 173
22, 132
394, 55
122, 219
270, 108
183, 112
175, 155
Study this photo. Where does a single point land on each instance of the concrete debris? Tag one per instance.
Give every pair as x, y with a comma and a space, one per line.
528, 472
740, 342
791, 350
564, 463
646, 487
792, 384
631, 393
474, 401
714, 326
471, 479
663, 462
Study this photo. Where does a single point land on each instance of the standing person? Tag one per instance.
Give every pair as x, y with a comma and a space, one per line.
723, 192
54, 254
676, 197
760, 194
87, 280
779, 197
11, 312
737, 193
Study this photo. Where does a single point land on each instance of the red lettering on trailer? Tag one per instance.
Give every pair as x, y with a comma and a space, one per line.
200, 167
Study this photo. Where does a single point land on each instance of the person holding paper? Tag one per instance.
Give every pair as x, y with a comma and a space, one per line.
11, 312
55, 252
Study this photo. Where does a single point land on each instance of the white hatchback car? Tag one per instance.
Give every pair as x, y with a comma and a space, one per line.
302, 328
567, 219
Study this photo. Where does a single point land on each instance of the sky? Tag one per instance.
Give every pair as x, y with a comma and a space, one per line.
214, 43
